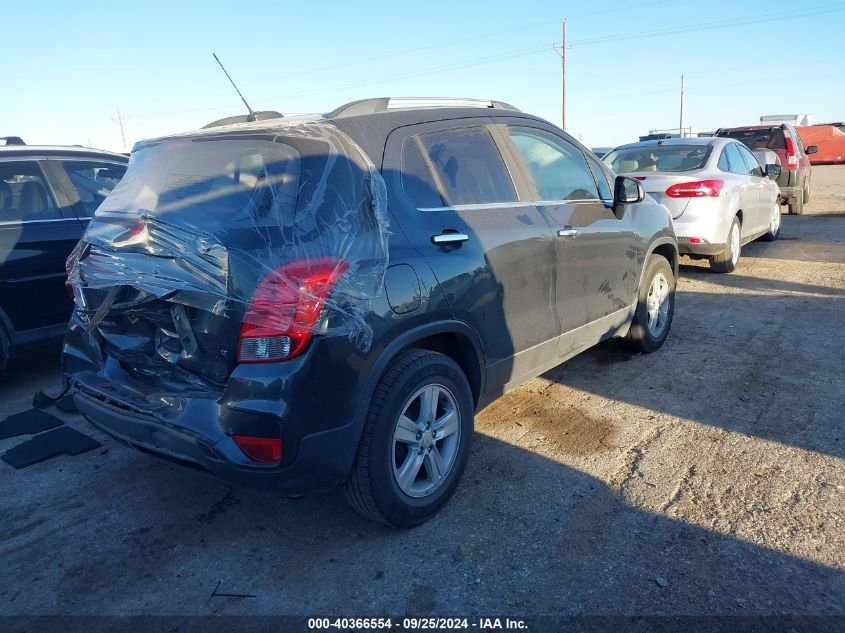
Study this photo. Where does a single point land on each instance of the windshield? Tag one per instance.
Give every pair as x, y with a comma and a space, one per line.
671, 158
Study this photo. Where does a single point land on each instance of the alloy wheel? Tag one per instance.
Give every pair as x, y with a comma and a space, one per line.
425, 440
657, 304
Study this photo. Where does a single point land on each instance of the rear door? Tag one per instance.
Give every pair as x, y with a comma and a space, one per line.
86, 182
740, 185
454, 196
38, 230
596, 253
760, 190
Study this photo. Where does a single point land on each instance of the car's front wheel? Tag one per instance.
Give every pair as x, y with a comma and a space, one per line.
415, 442
655, 307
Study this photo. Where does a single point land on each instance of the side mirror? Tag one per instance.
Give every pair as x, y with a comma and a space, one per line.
772, 171
627, 191
811, 150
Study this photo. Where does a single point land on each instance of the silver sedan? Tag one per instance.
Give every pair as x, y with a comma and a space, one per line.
719, 195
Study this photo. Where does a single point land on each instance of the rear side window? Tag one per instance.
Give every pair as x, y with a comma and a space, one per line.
751, 164
735, 163
558, 169
417, 179
93, 181
463, 164
24, 195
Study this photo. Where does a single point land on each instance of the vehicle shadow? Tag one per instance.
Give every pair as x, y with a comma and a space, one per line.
718, 367
523, 535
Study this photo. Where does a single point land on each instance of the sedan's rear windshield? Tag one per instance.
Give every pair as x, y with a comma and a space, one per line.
671, 158
770, 138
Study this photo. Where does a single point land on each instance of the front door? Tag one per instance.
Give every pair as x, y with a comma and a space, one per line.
597, 258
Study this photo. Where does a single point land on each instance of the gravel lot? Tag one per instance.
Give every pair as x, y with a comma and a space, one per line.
708, 478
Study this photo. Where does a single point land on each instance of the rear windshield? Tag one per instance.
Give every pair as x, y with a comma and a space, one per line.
205, 183
771, 138
671, 158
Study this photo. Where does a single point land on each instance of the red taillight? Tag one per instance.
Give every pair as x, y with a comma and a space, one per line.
260, 449
285, 308
791, 156
696, 240
698, 189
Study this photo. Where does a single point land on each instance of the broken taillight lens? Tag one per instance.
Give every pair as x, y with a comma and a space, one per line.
285, 308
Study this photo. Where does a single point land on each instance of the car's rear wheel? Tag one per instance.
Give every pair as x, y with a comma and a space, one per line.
774, 225
807, 193
727, 261
655, 307
415, 442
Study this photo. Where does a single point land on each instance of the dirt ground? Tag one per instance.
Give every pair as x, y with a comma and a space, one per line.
707, 478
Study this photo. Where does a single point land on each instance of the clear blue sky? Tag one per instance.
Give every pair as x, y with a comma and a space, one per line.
67, 67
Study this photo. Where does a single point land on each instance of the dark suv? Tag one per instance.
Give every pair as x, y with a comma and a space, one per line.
783, 140
47, 196
302, 303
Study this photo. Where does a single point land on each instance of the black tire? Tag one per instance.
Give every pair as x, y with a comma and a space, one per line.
372, 488
725, 262
796, 204
772, 235
640, 338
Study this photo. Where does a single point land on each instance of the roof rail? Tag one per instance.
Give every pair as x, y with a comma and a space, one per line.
383, 104
12, 140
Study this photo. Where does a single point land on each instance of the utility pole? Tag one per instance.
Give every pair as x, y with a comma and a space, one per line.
563, 48
681, 122
119, 121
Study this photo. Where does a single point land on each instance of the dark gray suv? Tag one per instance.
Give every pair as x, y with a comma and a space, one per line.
308, 302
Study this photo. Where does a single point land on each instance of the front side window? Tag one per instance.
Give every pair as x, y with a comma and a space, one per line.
558, 169
24, 195
465, 165
93, 181
605, 189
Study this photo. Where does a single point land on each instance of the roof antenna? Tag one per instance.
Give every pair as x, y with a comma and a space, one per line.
251, 116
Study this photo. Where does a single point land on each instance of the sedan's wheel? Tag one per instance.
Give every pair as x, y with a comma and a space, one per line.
774, 225
415, 441
655, 307
726, 261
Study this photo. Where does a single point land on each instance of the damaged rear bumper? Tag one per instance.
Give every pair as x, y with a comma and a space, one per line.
321, 462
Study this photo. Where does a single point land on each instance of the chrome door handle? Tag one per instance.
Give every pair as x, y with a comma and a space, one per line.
567, 232
449, 238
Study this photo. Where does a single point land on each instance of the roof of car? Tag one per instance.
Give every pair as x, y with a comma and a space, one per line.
369, 130
7, 151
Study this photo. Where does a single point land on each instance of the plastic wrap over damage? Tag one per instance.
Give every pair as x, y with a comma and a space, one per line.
241, 241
